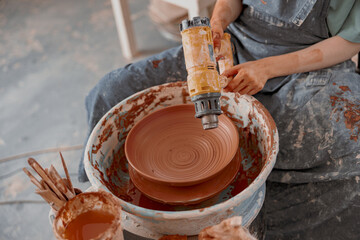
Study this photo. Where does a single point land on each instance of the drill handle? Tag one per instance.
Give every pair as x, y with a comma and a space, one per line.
226, 60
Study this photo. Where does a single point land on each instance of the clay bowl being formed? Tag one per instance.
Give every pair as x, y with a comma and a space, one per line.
170, 147
189, 194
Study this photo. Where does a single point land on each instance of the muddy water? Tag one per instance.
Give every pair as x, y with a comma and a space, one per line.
88, 225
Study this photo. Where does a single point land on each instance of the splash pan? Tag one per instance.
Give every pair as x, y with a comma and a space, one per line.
107, 167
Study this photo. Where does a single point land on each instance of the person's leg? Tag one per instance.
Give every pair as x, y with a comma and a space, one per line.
313, 190
168, 66
318, 210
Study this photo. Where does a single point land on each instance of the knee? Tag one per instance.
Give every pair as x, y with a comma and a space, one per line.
113, 87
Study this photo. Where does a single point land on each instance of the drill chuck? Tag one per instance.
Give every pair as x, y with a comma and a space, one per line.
207, 107
195, 22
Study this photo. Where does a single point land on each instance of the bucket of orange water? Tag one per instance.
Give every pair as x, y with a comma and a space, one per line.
90, 215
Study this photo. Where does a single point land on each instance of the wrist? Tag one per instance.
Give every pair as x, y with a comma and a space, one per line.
268, 67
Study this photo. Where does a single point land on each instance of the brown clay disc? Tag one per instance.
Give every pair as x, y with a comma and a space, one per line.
189, 194
170, 146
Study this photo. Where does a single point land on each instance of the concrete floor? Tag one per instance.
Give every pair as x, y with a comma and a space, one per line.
51, 54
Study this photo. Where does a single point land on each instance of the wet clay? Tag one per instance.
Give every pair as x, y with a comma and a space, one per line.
191, 194
170, 147
88, 225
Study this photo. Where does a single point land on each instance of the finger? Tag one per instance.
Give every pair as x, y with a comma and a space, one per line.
234, 83
231, 71
253, 91
245, 90
228, 80
238, 81
216, 41
242, 88
241, 82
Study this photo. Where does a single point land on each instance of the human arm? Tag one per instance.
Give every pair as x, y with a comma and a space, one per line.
251, 76
225, 12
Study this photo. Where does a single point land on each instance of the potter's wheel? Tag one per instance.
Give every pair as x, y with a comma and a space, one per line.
107, 166
174, 161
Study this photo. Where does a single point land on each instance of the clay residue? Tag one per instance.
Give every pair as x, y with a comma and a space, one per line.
350, 110
269, 122
252, 161
345, 88
156, 63
228, 229
226, 98
108, 131
185, 94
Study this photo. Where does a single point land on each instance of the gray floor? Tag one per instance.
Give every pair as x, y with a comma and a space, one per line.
51, 54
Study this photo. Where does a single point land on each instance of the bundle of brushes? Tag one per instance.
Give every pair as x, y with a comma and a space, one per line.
54, 189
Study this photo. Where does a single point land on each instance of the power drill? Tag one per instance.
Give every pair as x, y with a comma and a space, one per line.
203, 79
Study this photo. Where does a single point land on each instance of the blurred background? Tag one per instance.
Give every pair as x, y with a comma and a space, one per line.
51, 54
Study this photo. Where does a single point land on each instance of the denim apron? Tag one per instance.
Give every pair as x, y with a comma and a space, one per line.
313, 191
315, 185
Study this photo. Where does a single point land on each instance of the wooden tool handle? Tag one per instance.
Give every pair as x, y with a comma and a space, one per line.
50, 197
36, 166
67, 174
33, 179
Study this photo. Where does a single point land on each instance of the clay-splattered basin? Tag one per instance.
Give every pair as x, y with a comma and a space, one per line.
107, 167
170, 147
